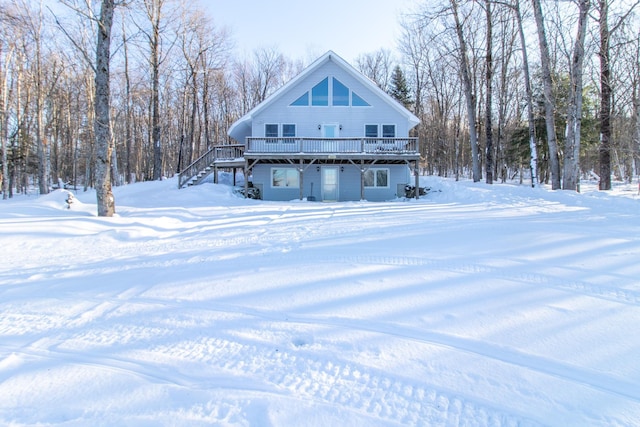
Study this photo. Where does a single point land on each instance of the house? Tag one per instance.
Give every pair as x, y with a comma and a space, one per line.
329, 134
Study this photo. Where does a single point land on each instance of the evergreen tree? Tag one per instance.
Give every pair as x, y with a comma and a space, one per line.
399, 88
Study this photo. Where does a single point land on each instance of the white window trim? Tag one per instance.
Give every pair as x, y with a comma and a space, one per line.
278, 187
282, 130
371, 124
375, 178
271, 124
395, 130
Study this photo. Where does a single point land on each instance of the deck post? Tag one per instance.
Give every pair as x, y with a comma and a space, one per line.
246, 178
416, 172
301, 172
361, 179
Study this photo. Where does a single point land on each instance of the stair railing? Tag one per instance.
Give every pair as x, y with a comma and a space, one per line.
216, 153
199, 164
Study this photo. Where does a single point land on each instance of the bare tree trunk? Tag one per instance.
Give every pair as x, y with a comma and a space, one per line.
102, 124
549, 98
533, 165
36, 28
154, 13
489, 87
636, 133
469, 96
155, 115
571, 176
605, 100
4, 123
127, 132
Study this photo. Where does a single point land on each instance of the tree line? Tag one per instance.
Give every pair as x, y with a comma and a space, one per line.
542, 91
175, 88
547, 91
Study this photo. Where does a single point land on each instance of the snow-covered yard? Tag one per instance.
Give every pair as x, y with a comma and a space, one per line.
476, 305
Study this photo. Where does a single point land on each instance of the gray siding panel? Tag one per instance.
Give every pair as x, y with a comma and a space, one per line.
348, 187
352, 119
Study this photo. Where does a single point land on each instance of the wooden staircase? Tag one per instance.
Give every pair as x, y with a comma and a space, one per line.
220, 156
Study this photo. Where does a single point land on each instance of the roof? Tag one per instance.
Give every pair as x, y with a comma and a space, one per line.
242, 127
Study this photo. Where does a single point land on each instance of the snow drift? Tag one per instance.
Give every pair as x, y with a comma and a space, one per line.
476, 305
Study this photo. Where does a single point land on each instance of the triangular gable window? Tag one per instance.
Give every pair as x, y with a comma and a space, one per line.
320, 93
339, 96
302, 101
356, 101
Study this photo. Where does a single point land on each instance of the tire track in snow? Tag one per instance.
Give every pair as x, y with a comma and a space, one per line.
350, 386
511, 356
614, 294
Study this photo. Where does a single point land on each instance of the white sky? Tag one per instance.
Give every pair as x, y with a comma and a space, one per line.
305, 30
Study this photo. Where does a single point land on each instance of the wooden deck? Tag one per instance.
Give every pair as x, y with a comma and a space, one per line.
301, 150
386, 149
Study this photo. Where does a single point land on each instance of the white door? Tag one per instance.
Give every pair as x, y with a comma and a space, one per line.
330, 130
329, 184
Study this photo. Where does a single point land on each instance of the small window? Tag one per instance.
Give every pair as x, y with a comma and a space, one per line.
288, 130
270, 130
356, 101
388, 131
320, 93
285, 178
376, 178
340, 94
302, 101
371, 131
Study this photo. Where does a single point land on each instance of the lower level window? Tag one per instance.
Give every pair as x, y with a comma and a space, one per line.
285, 177
376, 177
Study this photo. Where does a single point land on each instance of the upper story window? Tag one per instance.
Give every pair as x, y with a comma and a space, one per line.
274, 130
288, 130
320, 93
330, 91
340, 94
271, 130
356, 101
371, 131
302, 101
388, 131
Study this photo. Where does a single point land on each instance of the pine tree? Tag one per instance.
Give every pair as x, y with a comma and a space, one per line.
399, 88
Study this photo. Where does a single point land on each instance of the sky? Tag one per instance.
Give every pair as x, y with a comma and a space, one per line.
306, 30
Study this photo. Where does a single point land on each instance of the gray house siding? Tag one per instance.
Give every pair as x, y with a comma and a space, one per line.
348, 185
307, 118
331, 142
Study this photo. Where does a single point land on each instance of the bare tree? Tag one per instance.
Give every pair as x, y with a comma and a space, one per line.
574, 114
106, 201
377, 66
34, 22
269, 72
489, 94
468, 92
605, 90
6, 57
156, 14
549, 97
529, 93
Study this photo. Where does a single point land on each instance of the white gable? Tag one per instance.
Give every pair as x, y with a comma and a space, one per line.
329, 81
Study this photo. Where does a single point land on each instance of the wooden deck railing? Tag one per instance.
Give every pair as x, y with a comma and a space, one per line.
379, 146
219, 153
